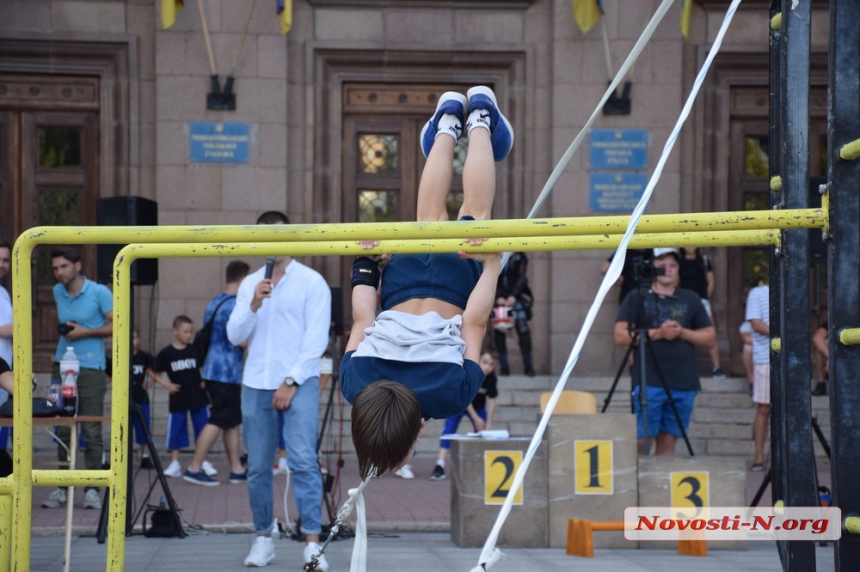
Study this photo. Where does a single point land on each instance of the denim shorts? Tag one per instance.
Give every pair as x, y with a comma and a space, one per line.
445, 277
661, 417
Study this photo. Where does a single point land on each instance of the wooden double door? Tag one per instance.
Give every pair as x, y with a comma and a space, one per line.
49, 158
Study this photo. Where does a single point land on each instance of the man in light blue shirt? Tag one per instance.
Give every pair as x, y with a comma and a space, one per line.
85, 315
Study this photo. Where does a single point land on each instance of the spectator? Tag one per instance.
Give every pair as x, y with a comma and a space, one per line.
758, 314
512, 291
480, 412
222, 374
85, 314
5, 328
819, 342
142, 373
187, 392
746, 333
285, 322
627, 280
697, 274
419, 358
7, 382
677, 324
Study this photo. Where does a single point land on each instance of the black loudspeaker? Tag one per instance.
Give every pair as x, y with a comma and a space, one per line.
126, 211
817, 246
337, 310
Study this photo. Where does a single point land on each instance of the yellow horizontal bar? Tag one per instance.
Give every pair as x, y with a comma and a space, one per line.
775, 183
850, 151
850, 336
776, 21
58, 478
852, 524
519, 244
427, 231
776, 345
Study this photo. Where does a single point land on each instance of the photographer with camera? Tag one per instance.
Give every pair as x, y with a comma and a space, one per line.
675, 322
85, 313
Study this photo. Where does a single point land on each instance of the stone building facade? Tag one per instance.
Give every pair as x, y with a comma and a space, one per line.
98, 100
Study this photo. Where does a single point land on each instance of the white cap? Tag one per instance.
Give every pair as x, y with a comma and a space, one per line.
658, 252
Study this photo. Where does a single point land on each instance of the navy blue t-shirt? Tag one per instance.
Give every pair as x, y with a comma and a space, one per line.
444, 389
140, 362
676, 358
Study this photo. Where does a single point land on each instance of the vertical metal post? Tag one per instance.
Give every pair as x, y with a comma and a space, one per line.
794, 357
777, 415
844, 246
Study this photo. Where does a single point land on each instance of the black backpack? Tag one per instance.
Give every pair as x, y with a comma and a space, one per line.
204, 334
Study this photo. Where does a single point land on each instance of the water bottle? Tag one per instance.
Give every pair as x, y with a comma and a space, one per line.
55, 392
70, 367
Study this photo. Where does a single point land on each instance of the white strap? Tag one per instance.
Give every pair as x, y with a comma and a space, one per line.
490, 553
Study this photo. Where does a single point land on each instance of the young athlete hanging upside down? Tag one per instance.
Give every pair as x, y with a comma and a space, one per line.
418, 359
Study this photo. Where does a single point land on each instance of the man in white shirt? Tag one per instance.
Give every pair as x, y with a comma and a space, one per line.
285, 322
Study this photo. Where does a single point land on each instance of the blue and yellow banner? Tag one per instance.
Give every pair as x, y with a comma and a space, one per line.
587, 13
169, 8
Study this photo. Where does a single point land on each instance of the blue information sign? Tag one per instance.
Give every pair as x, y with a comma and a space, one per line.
618, 149
213, 142
615, 192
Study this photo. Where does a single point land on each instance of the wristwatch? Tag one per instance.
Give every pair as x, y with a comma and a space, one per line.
290, 382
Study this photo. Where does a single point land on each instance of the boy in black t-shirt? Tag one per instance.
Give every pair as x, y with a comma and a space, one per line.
142, 372
187, 391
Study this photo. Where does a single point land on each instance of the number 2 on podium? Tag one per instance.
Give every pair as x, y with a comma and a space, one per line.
499, 470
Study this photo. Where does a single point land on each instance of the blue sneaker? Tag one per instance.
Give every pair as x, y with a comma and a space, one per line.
199, 478
238, 478
501, 133
451, 103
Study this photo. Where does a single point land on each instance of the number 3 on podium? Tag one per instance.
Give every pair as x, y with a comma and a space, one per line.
499, 470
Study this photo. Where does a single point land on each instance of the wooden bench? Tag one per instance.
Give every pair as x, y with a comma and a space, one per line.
580, 541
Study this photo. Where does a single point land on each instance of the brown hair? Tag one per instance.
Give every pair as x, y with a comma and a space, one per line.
386, 420
181, 319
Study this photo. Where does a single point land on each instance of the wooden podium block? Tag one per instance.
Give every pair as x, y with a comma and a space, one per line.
692, 482
482, 471
592, 474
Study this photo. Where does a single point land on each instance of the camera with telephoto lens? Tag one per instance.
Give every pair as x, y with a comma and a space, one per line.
645, 272
64, 329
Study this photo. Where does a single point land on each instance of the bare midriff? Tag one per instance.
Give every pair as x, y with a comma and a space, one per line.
421, 306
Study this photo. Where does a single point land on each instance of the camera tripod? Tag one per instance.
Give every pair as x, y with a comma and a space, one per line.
639, 331
769, 475
101, 532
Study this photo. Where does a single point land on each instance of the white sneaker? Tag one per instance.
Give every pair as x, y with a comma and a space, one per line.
57, 499
209, 469
281, 467
313, 549
262, 552
405, 472
92, 500
174, 469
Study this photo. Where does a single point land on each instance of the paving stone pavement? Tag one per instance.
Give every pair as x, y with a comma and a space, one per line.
409, 521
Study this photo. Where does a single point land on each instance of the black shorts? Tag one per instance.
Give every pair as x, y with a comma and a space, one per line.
225, 410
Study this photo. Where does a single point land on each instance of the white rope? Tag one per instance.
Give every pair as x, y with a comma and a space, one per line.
619, 77
490, 553
359, 547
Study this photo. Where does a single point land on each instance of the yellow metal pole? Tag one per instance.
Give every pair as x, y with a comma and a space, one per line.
5, 531
427, 231
776, 21
850, 151
120, 422
534, 243
22, 421
850, 336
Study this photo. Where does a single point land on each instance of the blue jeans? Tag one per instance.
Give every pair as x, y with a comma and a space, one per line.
261, 426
